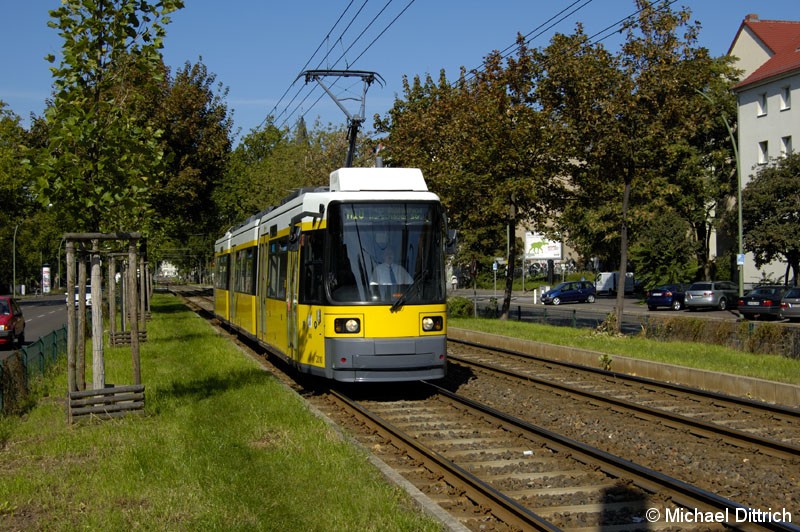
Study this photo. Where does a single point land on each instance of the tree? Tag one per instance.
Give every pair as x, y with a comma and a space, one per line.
771, 214
102, 155
102, 152
632, 135
270, 162
481, 144
15, 191
189, 109
659, 254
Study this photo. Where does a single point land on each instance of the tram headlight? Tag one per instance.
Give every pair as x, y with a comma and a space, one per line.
347, 325
432, 323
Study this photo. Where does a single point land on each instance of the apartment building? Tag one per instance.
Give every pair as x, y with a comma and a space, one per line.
768, 53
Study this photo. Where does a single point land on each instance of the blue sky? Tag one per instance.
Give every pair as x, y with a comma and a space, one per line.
258, 48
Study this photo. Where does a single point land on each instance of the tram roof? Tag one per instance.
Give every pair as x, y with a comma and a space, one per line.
377, 179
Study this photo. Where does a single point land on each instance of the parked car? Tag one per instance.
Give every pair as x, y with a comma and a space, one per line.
12, 322
608, 283
712, 294
668, 295
570, 291
762, 302
77, 296
790, 304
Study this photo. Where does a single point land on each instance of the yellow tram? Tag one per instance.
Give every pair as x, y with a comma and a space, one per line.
346, 282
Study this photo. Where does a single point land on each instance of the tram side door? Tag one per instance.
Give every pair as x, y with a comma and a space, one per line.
231, 286
291, 304
261, 292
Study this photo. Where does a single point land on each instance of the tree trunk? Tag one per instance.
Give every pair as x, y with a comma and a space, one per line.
623, 254
510, 261
72, 338
132, 304
701, 235
81, 360
98, 357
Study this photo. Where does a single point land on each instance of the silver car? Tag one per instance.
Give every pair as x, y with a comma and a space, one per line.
790, 305
712, 294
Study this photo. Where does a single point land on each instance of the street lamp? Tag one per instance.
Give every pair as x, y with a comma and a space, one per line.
740, 255
14, 260
58, 280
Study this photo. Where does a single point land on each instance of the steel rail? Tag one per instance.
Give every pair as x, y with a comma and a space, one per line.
741, 401
680, 492
733, 436
502, 506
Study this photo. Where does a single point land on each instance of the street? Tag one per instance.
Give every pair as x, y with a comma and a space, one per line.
585, 314
43, 315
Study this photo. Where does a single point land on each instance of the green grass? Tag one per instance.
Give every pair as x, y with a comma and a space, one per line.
690, 354
222, 446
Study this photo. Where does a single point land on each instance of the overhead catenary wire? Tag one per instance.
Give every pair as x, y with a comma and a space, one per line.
595, 38
305, 93
286, 114
324, 40
344, 53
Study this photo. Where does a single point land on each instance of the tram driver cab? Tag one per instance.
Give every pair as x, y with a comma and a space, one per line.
388, 276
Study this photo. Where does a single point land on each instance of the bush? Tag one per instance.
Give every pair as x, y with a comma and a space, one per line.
460, 307
750, 337
13, 385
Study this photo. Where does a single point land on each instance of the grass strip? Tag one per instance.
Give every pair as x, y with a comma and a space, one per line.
690, 354
222, 445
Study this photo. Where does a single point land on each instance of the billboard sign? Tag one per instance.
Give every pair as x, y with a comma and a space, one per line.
537, 247
46, 279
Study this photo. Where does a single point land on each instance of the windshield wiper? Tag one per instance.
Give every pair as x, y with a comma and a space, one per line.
401, 300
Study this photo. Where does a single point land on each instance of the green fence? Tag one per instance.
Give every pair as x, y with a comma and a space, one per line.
30, 361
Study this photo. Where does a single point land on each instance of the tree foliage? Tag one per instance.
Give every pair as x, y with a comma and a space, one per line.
639, 138
101, 155
14, 181
582, 143
481, 145
189, 109
771, 214
14, 189
661, 253
270, 162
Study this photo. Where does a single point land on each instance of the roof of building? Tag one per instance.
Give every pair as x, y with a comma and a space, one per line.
782, 38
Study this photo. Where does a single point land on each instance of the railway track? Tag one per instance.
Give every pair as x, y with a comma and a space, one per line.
495, 471
759, 427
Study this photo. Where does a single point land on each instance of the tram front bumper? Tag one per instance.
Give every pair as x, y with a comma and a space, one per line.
386, 359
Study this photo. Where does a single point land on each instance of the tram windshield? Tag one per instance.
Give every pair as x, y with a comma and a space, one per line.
386, 253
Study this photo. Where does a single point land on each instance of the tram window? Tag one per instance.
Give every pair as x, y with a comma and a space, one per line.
278, 260
312, 274
221, 279
246, 271
361, 235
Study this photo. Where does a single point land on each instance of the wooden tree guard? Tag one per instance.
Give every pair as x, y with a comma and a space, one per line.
110, 402
122, 336
102, 401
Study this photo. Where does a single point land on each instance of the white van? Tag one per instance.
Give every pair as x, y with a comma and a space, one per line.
606, 282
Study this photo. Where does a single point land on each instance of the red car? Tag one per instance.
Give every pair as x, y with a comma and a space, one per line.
12, 322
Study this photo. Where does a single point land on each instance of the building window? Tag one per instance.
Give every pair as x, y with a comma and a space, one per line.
786, 146
763, 152
786, 98
762, 104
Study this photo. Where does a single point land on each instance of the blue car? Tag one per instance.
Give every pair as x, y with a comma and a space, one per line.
579, 291
669, 295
